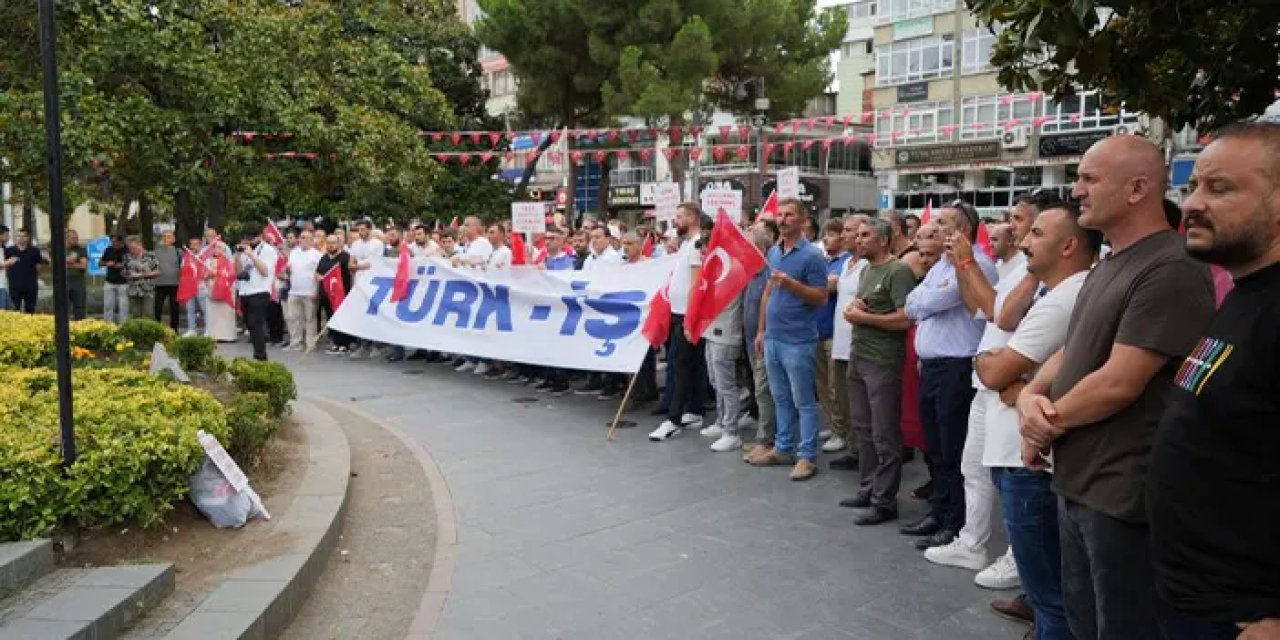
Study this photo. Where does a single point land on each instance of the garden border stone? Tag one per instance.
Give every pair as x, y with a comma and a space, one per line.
259, 601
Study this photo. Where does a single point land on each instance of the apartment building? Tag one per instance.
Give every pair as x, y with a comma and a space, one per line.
944, 128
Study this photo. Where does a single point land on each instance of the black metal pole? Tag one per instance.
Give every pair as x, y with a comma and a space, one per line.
58, 240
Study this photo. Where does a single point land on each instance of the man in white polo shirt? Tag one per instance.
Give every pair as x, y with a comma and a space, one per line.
256, 270
365, 251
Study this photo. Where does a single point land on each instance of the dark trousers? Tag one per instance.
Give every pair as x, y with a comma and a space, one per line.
946, 391
1180, 627
167, 295
325, 311
1031, 516
275, 321
689, 380
256, 308
647, 379
77, 296
875, 417
1108, 586
24, 300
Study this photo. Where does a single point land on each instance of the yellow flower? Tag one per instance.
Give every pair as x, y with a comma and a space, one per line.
120, 347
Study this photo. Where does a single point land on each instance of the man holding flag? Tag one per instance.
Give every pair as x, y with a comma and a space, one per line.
686, 362
333, 271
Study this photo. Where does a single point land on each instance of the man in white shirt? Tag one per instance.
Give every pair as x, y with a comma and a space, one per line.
423, 246
686, 387
500, 257
301, 305
842, 335
1059, 254
602, 251
365, 251
475, 247
256, 270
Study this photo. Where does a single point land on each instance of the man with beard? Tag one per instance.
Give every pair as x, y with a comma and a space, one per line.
687, 382
1097, 401
256, 266
335, 256
1214, 480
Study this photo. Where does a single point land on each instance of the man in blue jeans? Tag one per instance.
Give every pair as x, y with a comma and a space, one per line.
1059, 254
788, 338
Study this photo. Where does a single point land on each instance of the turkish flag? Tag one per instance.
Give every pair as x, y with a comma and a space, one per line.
271, 234
333, 287
769, 210
193, 273
657, 325
927, 213
224, 280
647, 249
984, 240
731, 260
400, 285
518, 254
282, 261
453, 224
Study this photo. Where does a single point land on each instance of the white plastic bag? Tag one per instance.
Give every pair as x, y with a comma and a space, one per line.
214, 496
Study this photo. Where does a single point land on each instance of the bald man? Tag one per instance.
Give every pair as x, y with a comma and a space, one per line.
1096, 403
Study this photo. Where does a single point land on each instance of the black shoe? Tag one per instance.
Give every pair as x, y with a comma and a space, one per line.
923, 492
927, 526
844, 463
860, 501
874, 516
559, 389
941, 538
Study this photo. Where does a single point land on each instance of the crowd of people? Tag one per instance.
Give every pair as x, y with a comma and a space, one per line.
1072, 372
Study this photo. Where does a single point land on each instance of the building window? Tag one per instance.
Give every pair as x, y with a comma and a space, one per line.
1082, 112
985, 117
863, 10
895, 10
975, 50
915, 123
914, 60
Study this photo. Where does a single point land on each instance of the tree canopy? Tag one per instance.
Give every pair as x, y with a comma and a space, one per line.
1203, 63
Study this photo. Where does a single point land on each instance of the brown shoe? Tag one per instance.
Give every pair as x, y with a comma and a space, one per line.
1015, 609
803, 470
756, 451
773, 458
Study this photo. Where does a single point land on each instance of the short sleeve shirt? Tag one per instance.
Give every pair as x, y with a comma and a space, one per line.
789, 318
884, 288
25, 273
145, 263
1150, 295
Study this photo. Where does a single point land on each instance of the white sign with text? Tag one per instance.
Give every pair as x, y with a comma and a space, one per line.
666, 198
528, 217
713, 200
789, 183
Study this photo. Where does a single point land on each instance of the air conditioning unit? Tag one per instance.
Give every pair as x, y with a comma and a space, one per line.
1015, 139
1124, 130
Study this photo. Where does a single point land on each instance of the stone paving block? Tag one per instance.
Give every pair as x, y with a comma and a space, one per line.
312, 514
28, 629
243, 596
126, 576
22, 562
278, 569
217, 625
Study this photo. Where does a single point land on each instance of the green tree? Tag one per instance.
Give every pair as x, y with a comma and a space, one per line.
1194, 62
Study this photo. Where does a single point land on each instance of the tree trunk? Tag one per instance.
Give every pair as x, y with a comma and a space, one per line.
679, 162
216, 206
602, 201
146, 222
29, 214
186, 223
122, 222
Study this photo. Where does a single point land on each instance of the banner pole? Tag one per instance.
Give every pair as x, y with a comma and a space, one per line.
312, 347
623, 405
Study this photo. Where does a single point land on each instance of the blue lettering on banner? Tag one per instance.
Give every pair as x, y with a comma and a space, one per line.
459, 295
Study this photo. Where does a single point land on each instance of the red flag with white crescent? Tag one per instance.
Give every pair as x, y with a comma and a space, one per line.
730, 262
333, 287
400, 285
193, 273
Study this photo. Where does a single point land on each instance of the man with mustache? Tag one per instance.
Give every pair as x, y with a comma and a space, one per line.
1215, 520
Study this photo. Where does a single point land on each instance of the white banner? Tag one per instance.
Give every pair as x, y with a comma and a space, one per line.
587, 320
528, 217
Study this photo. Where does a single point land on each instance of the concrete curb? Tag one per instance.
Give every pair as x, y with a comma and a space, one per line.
440, 582
259, 601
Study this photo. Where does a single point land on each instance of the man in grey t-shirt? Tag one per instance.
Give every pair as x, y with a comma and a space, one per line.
170, 258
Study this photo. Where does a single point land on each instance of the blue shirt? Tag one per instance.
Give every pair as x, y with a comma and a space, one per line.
562, 262
751, 306
790, 319
945, 328
826, 321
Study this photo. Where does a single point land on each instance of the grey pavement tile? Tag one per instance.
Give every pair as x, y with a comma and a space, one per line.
476, 575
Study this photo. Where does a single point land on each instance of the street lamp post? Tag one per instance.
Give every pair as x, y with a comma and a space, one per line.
58, 243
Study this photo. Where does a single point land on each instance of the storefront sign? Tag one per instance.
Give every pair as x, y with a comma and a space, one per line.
627, 195
1071, 144
947, 153
913, 28
914, 92
806, 191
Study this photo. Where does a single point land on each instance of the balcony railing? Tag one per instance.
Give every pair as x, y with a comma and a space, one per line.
631, 175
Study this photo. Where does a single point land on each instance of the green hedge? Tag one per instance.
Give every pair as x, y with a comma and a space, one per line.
252, 423
26, 340
194, 353
136, 438
144, 333
270, 378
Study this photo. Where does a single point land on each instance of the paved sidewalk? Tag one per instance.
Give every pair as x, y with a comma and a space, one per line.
565, 535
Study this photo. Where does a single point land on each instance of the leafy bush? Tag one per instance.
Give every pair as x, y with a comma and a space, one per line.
271, 378
146, 333
252, 423
194, 353
136, 438
27, 340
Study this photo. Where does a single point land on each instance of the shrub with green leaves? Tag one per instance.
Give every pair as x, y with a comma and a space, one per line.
145, 333
271, 378
26, 340
252, 423
194, 353
136, 439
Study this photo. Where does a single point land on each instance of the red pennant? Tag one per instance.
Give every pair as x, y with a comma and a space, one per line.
768, 150
871, 138
613, 135
442, 158
1074, 118
868, 117
436, 136
645, 154
464, 159
588, 135
475, 137
486, 157
555, 137
830, 120
743, 152
509, 156
622, 154
676, 137
557, 157
795, 127
576, 156
719, 153
633, 135
811, 123
777, 128
512, 135
744, 132
248, 136
601, 156
724, 132
1039, 121
695, 131
826, 144
847, 120
495, 137
806, 145
786, 148
455, 137
695, 153
670, 152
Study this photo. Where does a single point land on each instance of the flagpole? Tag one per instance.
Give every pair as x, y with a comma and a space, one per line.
312, 347
623, 405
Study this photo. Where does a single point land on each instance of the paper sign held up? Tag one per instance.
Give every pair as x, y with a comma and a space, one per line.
789, 183
666, 198
528, 217
713, 200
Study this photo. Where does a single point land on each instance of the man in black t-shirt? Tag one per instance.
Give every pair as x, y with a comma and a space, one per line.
115, 292
1214, 481
22, 262
334, 256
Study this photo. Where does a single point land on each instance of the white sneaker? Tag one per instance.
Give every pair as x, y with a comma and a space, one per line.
465, 366
746, 422
824, 434
956, 554
713, 431
189, 334
727, 442
1002, 574
690, 421
665, 430
481, 369
836, 443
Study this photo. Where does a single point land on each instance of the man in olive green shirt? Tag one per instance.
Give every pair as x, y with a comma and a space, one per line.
77, 267
880, 327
